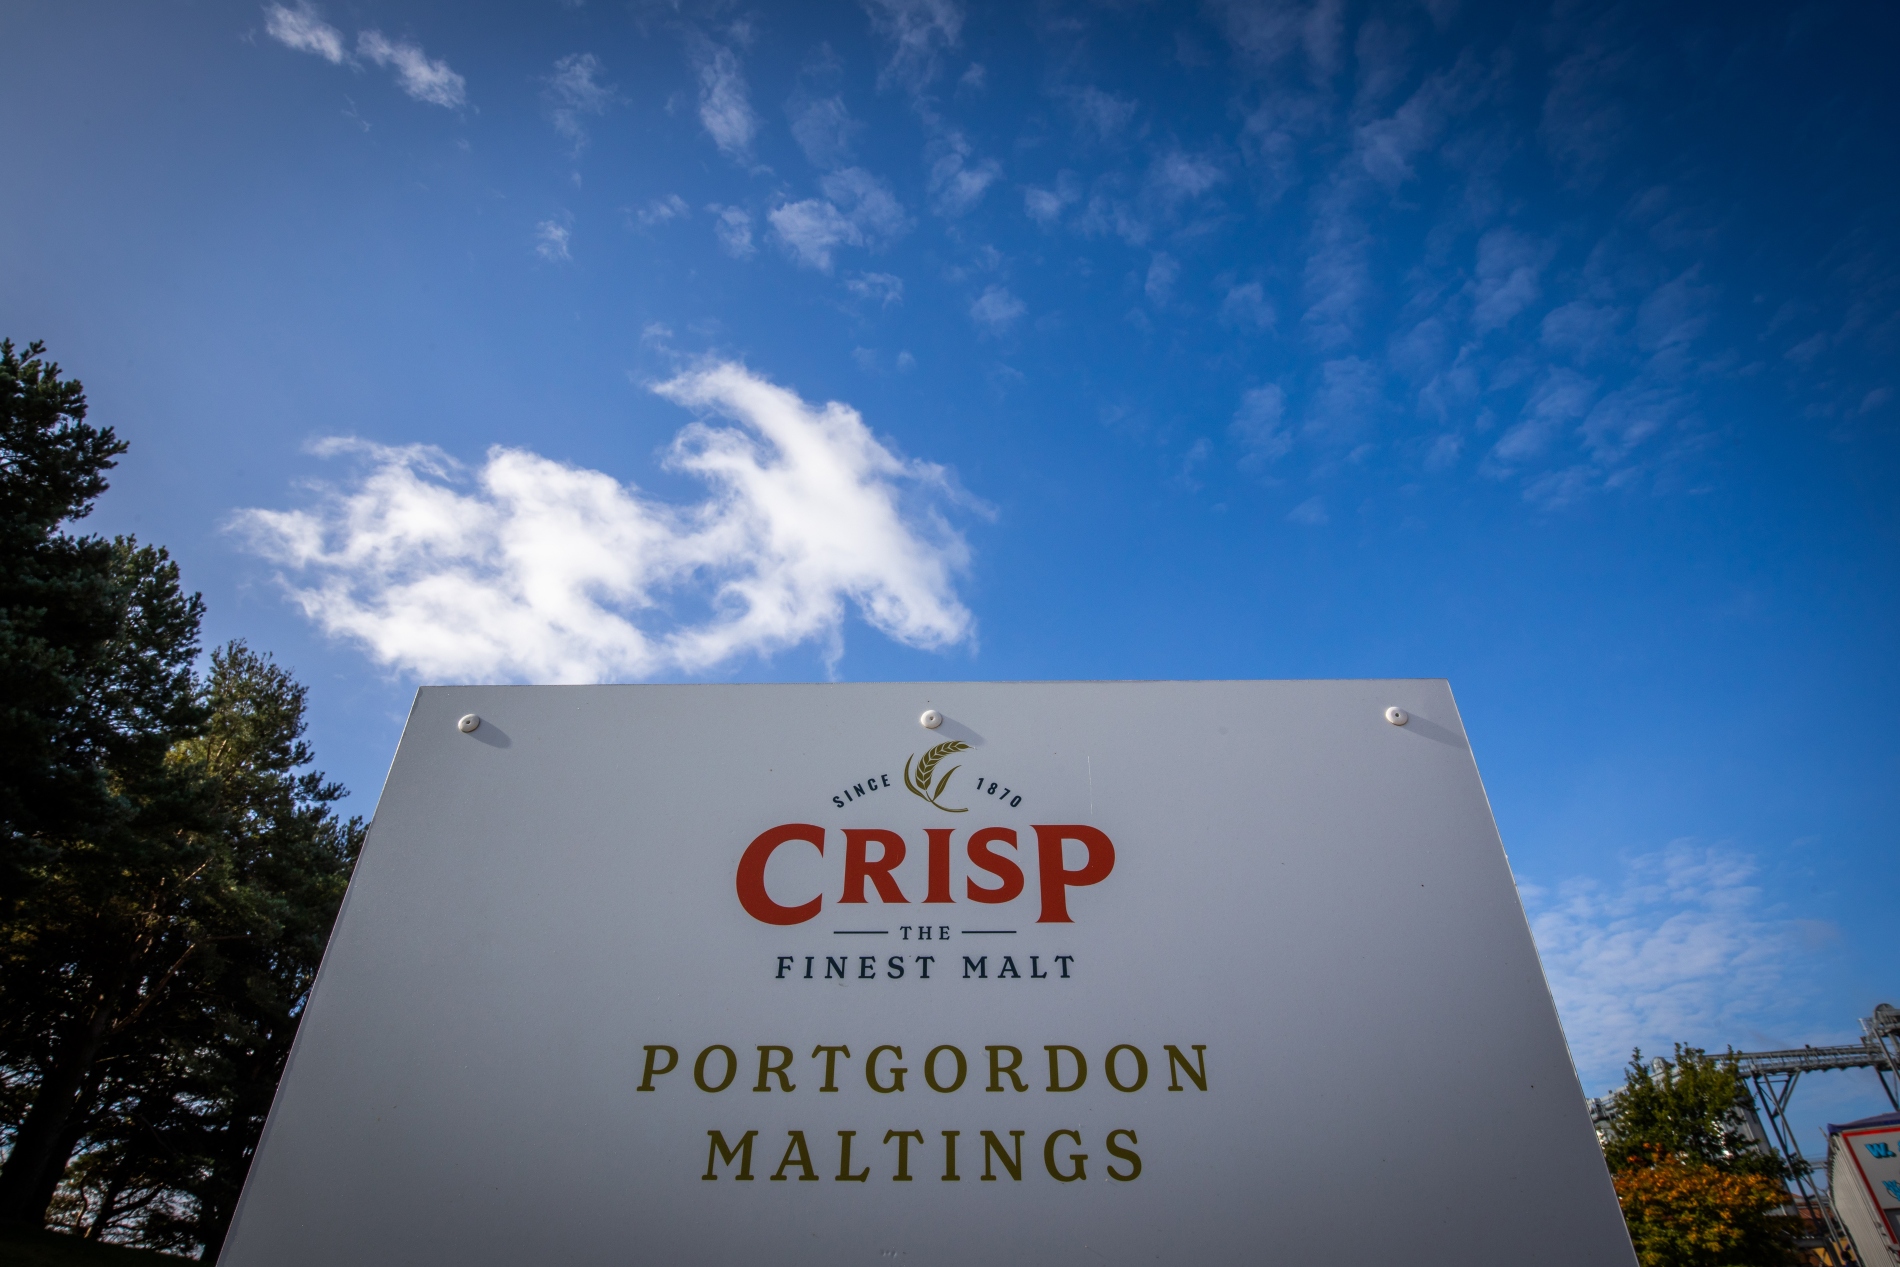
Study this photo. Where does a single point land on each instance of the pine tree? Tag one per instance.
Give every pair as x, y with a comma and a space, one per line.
101, 915
165, 1157
169, 866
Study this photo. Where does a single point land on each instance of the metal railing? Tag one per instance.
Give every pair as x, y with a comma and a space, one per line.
1772, 1076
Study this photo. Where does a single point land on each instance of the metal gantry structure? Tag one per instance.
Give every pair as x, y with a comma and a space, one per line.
1772, 1076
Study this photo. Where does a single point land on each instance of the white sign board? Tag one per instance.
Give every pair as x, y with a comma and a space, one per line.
1087, 973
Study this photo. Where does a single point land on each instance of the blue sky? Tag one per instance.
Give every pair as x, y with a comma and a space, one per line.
1547, 348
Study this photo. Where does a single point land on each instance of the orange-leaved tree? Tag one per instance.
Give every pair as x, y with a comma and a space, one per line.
1696, 1189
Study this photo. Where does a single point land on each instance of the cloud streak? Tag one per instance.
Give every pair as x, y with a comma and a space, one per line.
858, 209
531, 569
575, 91
725, 109
1683, 949
426, 79
301, 29
421, 77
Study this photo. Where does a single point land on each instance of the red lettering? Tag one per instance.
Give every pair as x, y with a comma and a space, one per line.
752, 895
939, 864
858, 868
1002, 868
1056, 881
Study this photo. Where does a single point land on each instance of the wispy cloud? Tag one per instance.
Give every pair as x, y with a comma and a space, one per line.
300, 28
732, 226
420, 76
725, 110
531, 569
1100, 116
996, 310
576, 91
1509, 264
1260, 425
825, 131
1175, 180
1311, 513
919, 33
426, 79
657, 211
1163, 271
1046, 205
884, 288
550, 241
958, 180
858, 209
1246, 304
1177, 176
1683, 947
812, 229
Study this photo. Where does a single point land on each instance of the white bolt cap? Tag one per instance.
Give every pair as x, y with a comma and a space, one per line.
1397, 716
931, 719
468, 723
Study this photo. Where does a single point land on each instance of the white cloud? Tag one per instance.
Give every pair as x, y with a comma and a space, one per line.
868, 201
1045, 206
1247, 304
885, 288
723, 106
300, 28
824, 129
996, 309
1581, 327
1675, 314
1260, 31
1177, 176
1561, 397
1625, 418
530, 569
1349, 400
1259, 424
1338, 275
1101, 113
733, 227
920, 32
1163, 271
576, 90
811, 229
956, 184
1387, 146
858, 210
551, 238
660, 210
1507, 277
425, 80
1311, 513
1681, 949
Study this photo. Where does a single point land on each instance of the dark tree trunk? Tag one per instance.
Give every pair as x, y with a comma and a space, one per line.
108, 1206
51, 1129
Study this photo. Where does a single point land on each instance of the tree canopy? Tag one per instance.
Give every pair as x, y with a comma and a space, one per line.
171, 866
1697, 1189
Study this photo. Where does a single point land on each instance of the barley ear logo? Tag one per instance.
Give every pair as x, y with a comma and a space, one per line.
919, 783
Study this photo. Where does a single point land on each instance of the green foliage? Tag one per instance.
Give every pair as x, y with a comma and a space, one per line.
172, 867
1692, 1109
1695, 1189
61, 601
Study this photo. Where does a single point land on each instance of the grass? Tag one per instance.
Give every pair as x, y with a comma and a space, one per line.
53, 1249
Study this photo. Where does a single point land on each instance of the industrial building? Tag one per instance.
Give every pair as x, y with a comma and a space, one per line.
1863, 1180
